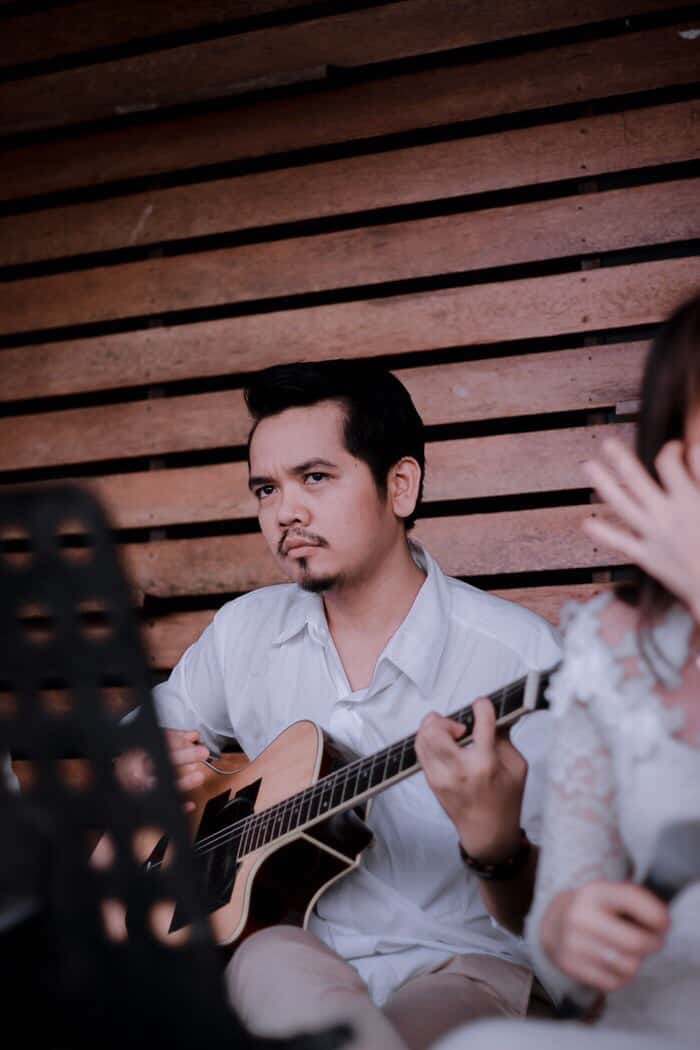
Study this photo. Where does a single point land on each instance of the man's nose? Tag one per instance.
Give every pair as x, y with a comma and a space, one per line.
292, 509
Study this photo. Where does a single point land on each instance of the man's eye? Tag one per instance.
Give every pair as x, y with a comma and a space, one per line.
315, 476
264, 491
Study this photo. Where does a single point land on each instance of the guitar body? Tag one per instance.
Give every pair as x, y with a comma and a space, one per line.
281, 881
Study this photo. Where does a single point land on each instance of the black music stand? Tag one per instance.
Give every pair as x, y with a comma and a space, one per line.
80, 964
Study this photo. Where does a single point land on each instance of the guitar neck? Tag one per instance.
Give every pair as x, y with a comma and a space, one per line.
360, 780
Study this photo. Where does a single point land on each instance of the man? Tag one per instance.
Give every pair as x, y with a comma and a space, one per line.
367, 640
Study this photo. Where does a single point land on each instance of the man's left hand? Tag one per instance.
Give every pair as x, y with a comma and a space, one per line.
480, 786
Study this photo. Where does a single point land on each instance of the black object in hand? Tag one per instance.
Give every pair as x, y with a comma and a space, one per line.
675, 864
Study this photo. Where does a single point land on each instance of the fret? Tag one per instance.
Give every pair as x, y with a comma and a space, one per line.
339, 784
257, 837
305, 804
376, 771
362, 778
295, 811
466, 717
408, 757
287, 822
243, 847
393, 762
501, 702
323, 803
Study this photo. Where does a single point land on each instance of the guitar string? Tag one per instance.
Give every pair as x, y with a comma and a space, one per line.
257, 821
254, 822
328, 784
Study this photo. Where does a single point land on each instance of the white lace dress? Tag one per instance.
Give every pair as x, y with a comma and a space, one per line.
625, 763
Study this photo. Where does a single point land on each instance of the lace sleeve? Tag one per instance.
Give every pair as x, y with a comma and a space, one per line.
580, 840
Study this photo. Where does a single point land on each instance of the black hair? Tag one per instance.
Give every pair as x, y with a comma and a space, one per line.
382, 424
670, 393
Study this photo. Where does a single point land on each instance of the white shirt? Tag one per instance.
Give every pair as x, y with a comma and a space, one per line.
268, 659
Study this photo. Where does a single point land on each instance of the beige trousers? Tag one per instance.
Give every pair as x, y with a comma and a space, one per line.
283, 981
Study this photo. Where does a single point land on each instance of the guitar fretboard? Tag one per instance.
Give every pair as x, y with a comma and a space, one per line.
365, 777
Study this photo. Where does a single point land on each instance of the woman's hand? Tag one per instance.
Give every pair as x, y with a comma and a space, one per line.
600, 934
480, 786
663, 534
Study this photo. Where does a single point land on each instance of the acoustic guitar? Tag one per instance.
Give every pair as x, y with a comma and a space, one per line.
299, 807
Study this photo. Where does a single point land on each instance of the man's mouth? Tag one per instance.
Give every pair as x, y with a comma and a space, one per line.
293, 543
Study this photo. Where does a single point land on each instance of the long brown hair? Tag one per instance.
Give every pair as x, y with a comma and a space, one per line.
670, 393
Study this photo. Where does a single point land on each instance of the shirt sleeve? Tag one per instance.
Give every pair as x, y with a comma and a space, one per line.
580, 840
194, 696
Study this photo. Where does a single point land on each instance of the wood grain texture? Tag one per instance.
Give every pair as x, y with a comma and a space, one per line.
167, 637
470, 468
452, 244
217, 68
530, 156
637, 294
574, 73
587, 378
91, 24
464, 545
353, 38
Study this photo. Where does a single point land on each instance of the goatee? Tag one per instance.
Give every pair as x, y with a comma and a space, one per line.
316, 584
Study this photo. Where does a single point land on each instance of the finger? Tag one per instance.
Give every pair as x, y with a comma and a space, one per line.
636, 904
190, 777
671, 468
616, 539
605, 972
435, 741
484, 735
636, 478
184, 755
611, 492
181, 737
624, 938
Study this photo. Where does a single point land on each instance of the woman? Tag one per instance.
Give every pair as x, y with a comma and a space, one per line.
626, 757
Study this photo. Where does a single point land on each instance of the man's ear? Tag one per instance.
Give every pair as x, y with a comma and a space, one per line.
403, 486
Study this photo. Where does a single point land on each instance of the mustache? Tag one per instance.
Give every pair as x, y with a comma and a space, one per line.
311, 538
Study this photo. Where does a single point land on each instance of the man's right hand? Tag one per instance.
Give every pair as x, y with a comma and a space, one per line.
186, 755
601, 933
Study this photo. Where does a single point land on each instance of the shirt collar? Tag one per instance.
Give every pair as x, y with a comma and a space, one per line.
417, 645
306, 611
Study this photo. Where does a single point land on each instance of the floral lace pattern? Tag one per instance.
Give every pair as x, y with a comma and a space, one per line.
619, 767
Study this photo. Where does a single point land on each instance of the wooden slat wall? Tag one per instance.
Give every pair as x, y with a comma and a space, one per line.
500, 202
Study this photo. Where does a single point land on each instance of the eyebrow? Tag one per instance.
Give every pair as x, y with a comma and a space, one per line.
301, 468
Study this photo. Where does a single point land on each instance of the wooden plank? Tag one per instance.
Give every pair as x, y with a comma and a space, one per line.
465, 545
513, 83
595, 222
88, 25
591, 146
562, 381
350, 39
220, 68
167, 637
470, 468
638, 294
548, 601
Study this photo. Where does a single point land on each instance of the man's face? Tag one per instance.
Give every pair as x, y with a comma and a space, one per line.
318, 506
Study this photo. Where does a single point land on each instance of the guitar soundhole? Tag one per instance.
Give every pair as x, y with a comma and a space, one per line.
215, 848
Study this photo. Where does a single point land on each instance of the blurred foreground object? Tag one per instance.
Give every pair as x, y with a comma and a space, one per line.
81, 963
